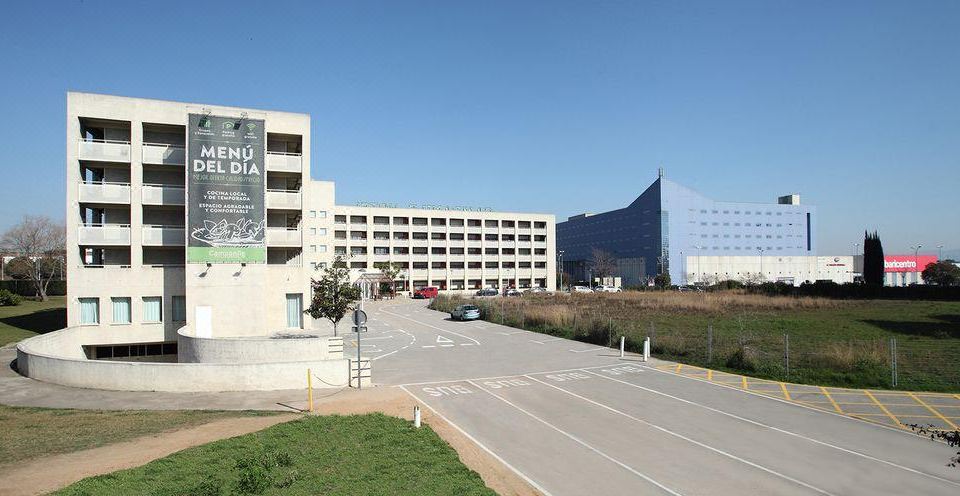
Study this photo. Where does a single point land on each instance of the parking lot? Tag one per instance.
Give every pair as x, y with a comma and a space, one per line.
572, 418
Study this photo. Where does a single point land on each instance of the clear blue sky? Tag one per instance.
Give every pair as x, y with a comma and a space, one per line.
557, 107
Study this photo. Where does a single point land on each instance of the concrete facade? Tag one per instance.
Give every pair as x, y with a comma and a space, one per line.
126, 242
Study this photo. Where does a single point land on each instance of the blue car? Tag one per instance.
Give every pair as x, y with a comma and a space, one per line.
465, 312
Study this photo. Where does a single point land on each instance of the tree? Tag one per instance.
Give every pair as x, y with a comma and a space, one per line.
333, 295
941, 273
602, 263
662, 281
872, 260
390, 271
39, 244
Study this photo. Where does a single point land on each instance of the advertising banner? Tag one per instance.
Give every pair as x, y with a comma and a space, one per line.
907, 263
226, 190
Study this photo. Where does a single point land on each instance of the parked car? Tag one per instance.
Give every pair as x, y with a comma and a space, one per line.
688, 289
581, 289
512, 292
465, 312
607, 289
537, 290
488, 292
424, 293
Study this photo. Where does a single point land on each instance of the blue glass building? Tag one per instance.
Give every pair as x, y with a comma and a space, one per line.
669, 224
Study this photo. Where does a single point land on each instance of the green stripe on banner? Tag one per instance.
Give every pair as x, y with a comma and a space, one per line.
209, 254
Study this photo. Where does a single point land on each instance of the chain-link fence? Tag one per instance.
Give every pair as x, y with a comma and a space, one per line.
908, 363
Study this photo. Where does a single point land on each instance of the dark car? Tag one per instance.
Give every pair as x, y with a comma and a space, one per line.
488, 292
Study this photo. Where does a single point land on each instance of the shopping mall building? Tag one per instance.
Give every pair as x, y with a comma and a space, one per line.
673, 229
191, 223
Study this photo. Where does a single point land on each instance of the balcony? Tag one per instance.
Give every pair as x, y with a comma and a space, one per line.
284, 162
283, 199
159, 235
104, 150
162, 154
381, 257
162, 194
283, 236
419, 242
104, 235
103, 192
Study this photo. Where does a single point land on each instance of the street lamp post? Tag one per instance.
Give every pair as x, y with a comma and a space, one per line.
762, 277
699, 273
560, 267
939, 252
916, 266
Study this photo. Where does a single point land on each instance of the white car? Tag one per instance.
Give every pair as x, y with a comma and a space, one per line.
608, 289
581, 289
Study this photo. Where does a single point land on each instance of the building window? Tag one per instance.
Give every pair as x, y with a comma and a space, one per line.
152, 309
322, 214
121, 310
322, 231
89, 311
313, 231
322, 248
294, 310
179, 308
313, 214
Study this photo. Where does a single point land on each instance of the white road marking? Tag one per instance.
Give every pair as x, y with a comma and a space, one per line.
545, 341
433, 327
580, 442
681, 436
428, 346
511, 333
466, 344
585, 351
777, 429
443, 340
465, 379
413, 339
481, 445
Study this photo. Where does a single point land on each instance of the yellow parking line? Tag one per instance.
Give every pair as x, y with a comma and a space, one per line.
678, 367
882, 408
932, 410
830, 398
710, 374
743, 381
786, 394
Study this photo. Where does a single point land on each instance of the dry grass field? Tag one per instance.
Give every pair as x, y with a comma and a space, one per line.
808, 340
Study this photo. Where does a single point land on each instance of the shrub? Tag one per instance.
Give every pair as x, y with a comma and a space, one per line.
9, 299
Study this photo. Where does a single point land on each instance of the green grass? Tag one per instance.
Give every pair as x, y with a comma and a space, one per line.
30, 433
348, 455
31, 318
831, 342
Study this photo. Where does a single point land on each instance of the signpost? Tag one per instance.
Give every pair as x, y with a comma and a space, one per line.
359, 326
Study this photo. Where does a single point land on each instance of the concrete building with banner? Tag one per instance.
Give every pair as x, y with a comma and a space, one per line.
193, 232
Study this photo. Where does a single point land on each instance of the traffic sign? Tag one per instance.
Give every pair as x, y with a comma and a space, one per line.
359, 317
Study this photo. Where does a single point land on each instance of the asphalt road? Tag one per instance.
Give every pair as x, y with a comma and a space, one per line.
572, 418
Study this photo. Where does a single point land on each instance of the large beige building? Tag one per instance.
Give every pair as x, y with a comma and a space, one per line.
126, 218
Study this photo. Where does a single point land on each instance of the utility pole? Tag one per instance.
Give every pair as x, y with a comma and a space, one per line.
560, 268
762, 277
916, 266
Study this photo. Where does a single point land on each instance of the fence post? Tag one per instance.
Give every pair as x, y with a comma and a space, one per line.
653, 333
786, 353
893, 362
709, 344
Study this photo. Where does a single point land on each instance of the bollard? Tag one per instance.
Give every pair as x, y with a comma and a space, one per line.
309, 391
416, 417
646, 349
621, 346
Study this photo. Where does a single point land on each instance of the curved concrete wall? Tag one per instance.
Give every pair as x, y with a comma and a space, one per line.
57, 357
255, 349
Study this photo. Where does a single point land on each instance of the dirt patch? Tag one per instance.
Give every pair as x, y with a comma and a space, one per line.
43, 475
47, 474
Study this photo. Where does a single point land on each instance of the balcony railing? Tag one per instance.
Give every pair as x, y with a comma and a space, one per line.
104, 235
283, 199
284, 162
162, 154
162, 235
104, 150
162, 194
104, 192
283, 236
